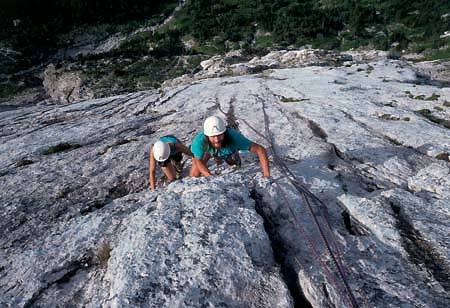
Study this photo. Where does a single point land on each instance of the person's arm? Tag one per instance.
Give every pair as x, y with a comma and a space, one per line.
262, 155
184, 149
152, 166
201, 166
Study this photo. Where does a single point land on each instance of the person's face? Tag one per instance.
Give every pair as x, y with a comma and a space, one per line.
216, 141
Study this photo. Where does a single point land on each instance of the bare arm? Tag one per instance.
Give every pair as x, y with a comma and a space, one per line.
184, 149
262, 155
152, 165
201, 166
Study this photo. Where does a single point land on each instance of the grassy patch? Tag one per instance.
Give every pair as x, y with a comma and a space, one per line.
284, 99
24, 162
389, 117
103, 254
60, 147
327, 43
437, 54
432, 97
390, 104
209, 49
289, 99
265, 41
7, 90
116, 143
446, 104
393, 140
226, 82
443, 156
429, 115
424, 112
137, 45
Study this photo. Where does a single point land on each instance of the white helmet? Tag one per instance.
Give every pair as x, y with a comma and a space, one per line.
214, 126
161, 151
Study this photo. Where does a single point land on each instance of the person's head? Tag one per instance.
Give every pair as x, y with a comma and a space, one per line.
161, 151
214, 128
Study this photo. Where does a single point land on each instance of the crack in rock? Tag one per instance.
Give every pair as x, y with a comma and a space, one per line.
353, 226
421, 252
282, 254
58, 276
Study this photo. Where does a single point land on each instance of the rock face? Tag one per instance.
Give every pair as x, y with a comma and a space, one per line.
202, 244
180, 248
65, 87
80, 228
234, 63
435, 70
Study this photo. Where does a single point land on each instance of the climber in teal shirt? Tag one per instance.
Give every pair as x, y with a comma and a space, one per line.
223, 144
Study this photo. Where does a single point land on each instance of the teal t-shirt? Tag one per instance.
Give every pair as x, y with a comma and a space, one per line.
172, 139
234, 141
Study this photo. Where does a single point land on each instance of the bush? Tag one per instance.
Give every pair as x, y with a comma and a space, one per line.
160, 44
60, 147
8, 89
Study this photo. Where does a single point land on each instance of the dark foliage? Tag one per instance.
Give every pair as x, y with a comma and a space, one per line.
41, 21
350, 23
221, 25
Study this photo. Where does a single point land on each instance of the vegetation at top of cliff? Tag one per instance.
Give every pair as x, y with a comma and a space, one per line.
414, 25
36, 27
390, 24
223, 25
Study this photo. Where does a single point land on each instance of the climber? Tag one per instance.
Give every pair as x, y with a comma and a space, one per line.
223, 144
167, 152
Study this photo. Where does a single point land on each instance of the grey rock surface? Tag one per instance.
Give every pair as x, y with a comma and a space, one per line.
80, 228
438, 70
65, 86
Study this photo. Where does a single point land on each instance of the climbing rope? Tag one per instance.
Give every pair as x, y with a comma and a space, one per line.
306, 195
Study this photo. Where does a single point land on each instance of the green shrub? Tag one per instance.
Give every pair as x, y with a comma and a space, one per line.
432, 97
8, 89
60, 147
24, 162
430, 116
434, 54
443, 156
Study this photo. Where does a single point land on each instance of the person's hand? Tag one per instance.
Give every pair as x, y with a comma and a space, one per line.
269, 181
263, 181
